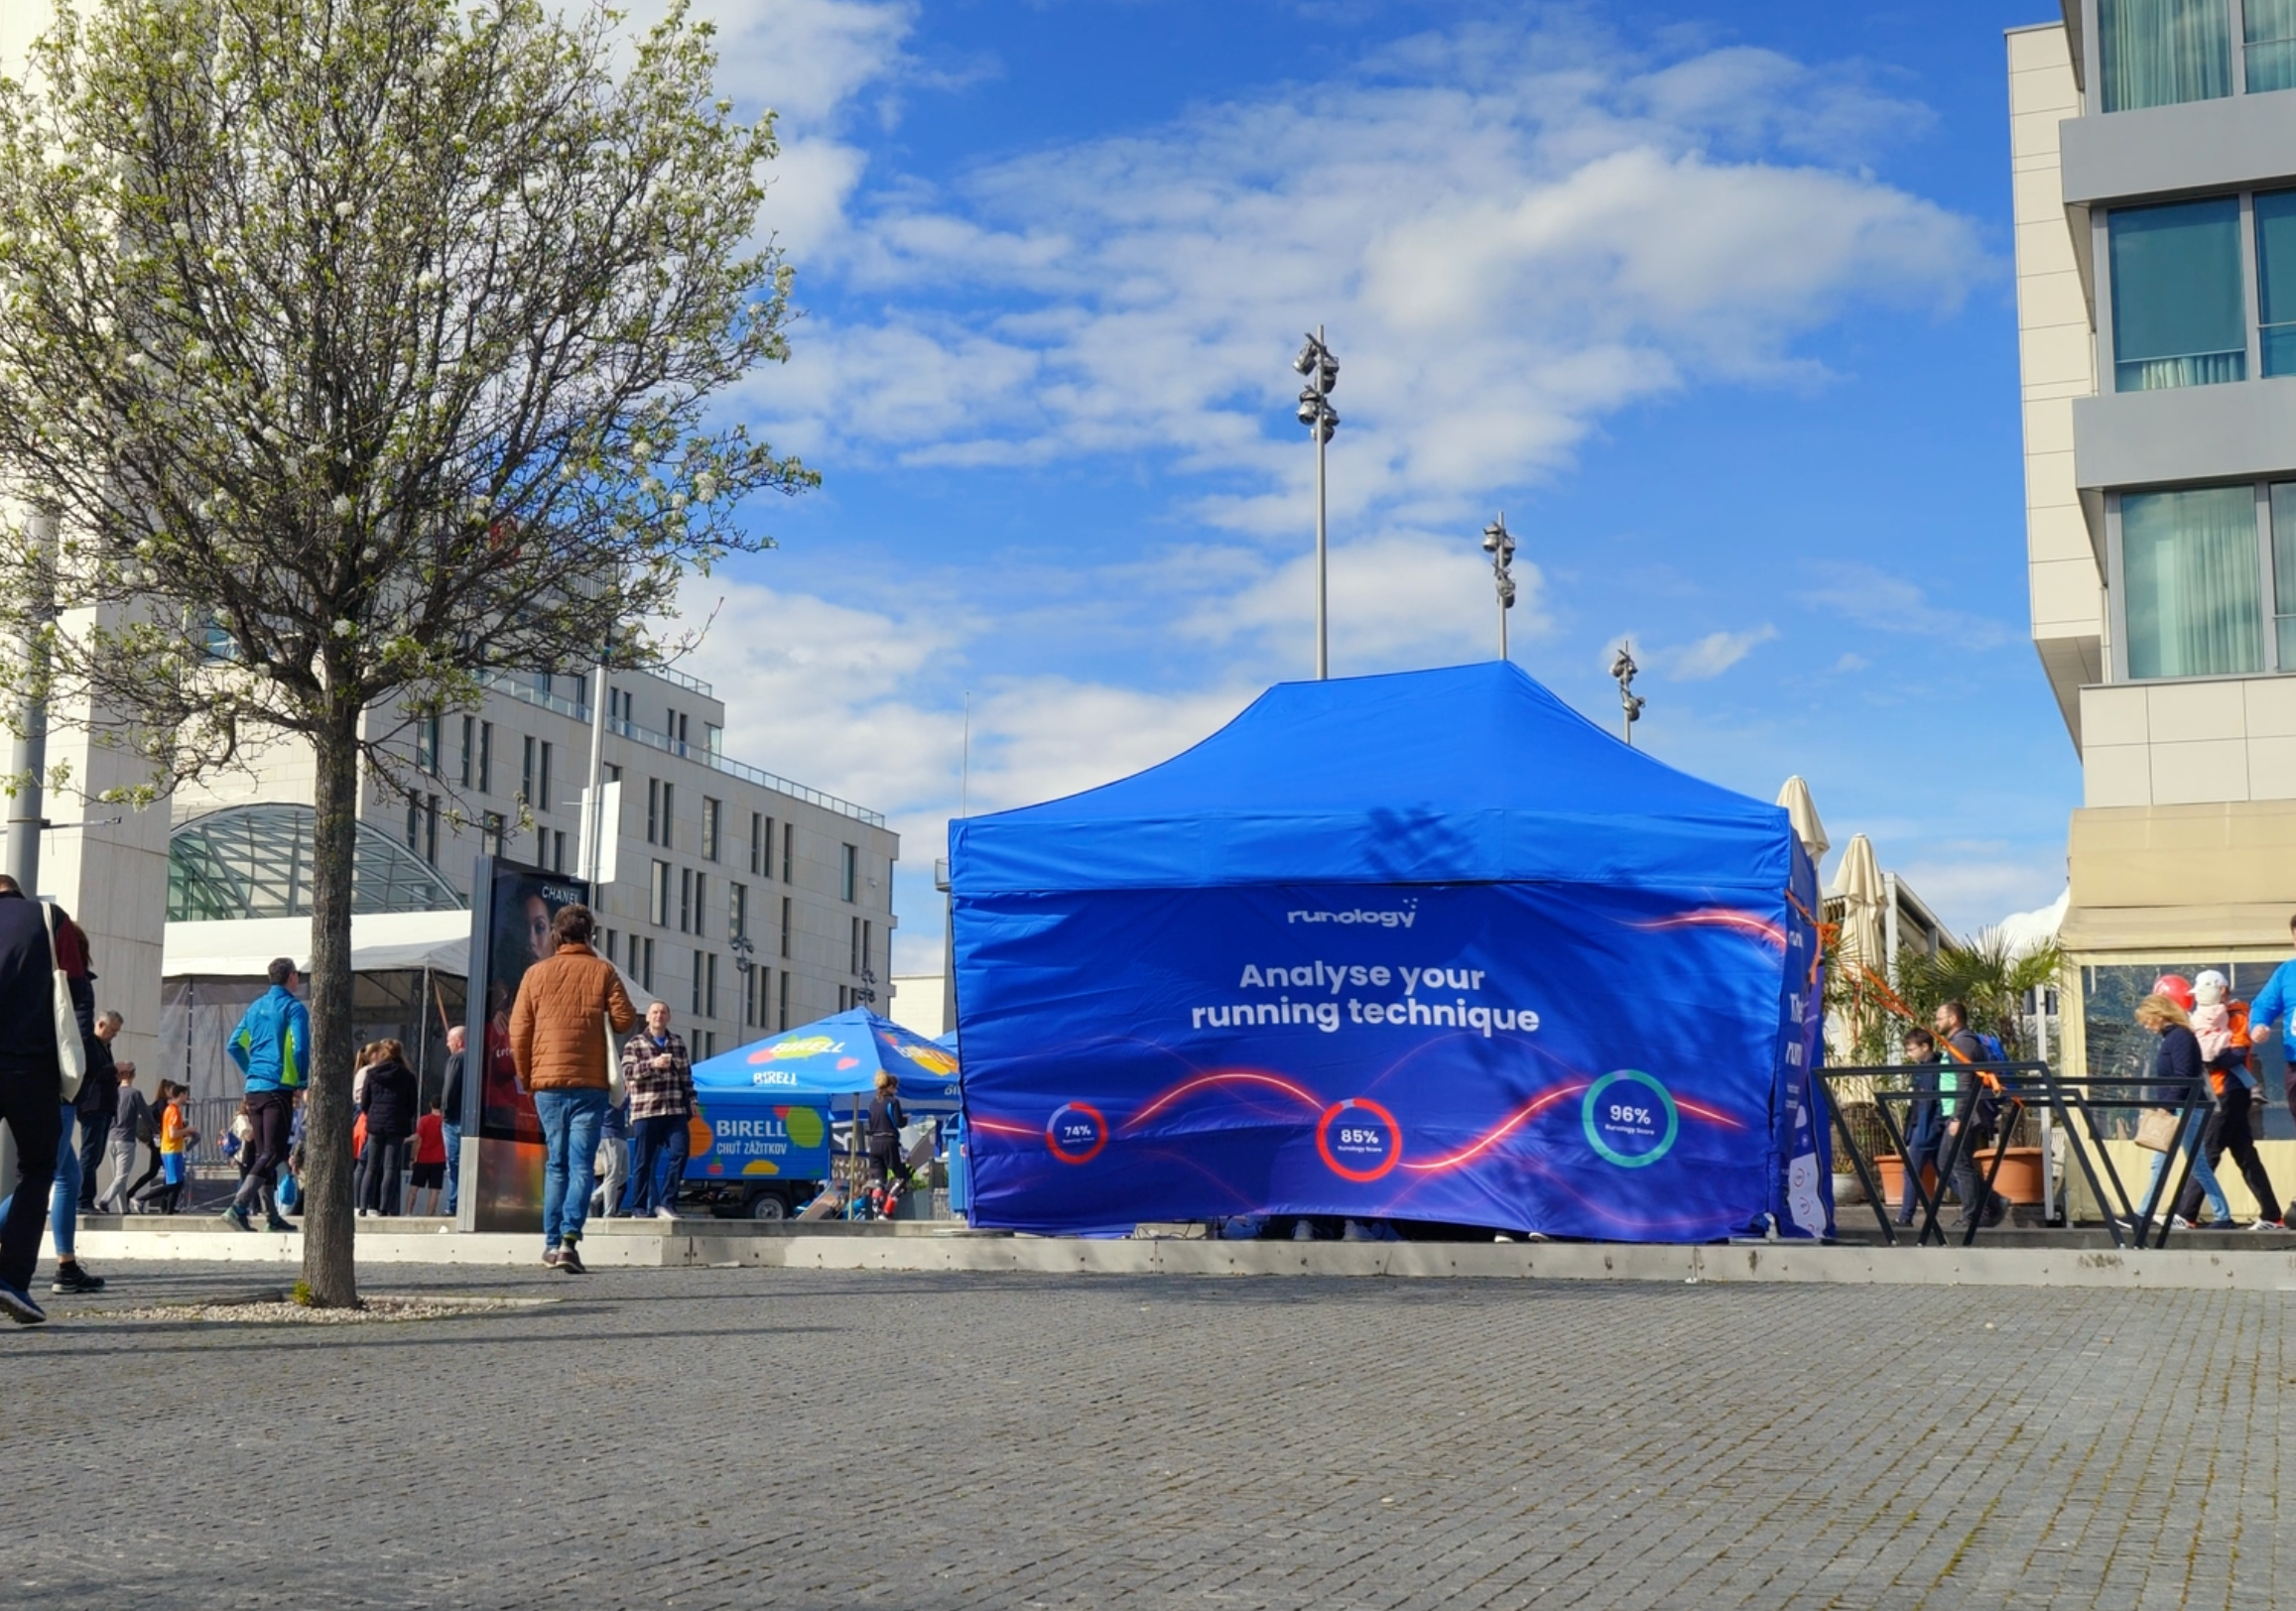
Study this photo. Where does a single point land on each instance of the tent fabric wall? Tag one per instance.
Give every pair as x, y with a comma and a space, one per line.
1428, 946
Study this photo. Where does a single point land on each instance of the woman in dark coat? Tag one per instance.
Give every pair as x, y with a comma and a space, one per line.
388, 1101
2178, 1068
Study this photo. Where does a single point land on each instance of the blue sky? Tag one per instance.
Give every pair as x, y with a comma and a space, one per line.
1713, 300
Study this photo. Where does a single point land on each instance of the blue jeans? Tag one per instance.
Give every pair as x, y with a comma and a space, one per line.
659, 1147
453, 1165
2189, 1141
571, 1121
63, 1196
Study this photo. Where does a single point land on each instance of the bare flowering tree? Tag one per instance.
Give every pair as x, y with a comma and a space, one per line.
356, 348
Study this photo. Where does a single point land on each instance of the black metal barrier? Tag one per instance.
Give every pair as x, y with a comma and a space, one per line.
2019, 1085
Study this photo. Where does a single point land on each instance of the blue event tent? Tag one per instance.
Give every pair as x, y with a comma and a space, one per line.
835, 1056
1429, 945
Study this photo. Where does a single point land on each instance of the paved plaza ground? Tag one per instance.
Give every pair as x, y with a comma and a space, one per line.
746, 1437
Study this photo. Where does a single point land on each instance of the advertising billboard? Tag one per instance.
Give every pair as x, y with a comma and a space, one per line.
511, 907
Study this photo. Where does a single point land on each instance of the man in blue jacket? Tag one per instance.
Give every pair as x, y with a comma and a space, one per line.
2272, 1004
272, 1046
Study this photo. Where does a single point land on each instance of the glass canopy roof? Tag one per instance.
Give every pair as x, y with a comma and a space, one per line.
254, 862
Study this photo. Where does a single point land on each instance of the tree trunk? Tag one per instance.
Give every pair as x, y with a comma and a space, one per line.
329, 1265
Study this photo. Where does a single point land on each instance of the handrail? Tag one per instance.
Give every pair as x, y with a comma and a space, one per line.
686, 748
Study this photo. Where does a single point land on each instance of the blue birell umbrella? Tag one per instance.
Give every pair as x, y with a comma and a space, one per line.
839, 1055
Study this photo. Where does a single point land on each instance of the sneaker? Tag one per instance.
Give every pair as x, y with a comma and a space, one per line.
19, 1306
569, 1261
2267, 1225
236, 1217
2178, 1222
71, 1277
276, 1222
550, 1256
665, 1212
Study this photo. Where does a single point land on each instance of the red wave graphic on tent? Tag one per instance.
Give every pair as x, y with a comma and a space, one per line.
1457, 1158
1743, 923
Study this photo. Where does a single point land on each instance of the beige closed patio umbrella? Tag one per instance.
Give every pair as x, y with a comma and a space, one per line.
1863, 895
1802, 812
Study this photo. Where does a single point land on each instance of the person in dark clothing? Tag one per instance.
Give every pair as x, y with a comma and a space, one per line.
388, 1101
451, 1111
1970, 1113
131, 1122
2234, 1098
98, 1096
658, 1073
148, 1133
1924, 1122
2177, 1065
31, 1101
885, 1121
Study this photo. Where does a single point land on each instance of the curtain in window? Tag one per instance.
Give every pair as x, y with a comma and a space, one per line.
2189, 562
2157, 51
2276, 279
2179, 313
2270, 39
2284, 571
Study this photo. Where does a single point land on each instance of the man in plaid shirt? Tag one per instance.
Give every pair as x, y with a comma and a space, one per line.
658, 1073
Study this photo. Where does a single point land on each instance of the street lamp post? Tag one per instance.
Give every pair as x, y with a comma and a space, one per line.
1629, 702
1499, 543
1316, 414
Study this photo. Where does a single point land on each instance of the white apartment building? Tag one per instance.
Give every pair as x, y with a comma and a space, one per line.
710, 850
2153, 147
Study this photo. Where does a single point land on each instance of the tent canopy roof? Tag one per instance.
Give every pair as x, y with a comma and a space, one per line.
836, 1056
1470, 774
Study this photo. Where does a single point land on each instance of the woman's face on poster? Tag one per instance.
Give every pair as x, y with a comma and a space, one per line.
538, 929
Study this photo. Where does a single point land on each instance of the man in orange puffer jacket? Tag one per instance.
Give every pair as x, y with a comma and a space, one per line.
558, 1040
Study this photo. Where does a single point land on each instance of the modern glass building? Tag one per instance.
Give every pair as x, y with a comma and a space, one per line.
2153, 147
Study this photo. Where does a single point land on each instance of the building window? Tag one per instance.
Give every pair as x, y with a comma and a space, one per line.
469, 747
525, 772
653, 810
641, 952
427, 744
659, 909
848, 872
788, 851
2189, 567
750, 990
541, 848
868, 943
709, 814
695, 1009
737, 912
784, 1021
491, 834
607, 942
541, 797
785, 913
710, 984
707, 1040
558, 850
2284, 573
844, 997
2268, 44
759, 856
415, 822
2276, 275
668, 808
2179, 313
2156, 52
702, 902
486, 758
430, 829
854, 964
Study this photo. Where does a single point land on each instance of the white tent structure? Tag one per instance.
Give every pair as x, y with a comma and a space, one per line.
381, 941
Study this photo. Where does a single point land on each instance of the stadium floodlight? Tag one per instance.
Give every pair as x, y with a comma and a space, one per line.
1499, 543
1316, 414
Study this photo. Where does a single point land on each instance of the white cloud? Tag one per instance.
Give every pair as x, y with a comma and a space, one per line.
1867, 596
1714, 654
1512, 234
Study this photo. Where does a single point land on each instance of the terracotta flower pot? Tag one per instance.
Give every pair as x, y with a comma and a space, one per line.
2020, 1179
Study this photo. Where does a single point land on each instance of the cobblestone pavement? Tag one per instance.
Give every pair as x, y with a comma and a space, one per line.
742, 1438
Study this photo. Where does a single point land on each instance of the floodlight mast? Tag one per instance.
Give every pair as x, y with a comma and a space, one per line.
1316, 414
1622, 667
1499, 543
